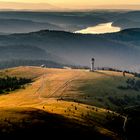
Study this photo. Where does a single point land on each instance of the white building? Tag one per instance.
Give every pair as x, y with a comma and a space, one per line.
92, 64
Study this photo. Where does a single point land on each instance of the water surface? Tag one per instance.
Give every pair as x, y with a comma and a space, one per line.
100, 29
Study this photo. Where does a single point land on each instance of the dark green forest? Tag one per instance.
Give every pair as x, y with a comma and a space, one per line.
11, 83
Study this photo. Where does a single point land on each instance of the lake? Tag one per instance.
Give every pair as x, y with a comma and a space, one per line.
100, 29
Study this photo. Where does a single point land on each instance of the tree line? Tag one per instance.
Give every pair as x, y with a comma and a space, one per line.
11, 83
131, 84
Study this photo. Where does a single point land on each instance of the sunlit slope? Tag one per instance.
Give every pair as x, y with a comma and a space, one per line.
93, 88
75, 94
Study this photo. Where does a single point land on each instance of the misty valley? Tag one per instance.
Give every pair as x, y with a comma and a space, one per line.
39, 37
74, 73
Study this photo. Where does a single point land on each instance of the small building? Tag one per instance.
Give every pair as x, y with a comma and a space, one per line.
43, 66
65, 67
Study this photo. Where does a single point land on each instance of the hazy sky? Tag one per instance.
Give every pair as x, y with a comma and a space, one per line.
71, 3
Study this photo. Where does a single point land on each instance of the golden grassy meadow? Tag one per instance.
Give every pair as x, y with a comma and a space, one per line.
61, 92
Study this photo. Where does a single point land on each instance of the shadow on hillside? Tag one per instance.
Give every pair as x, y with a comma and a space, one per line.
33, 123
133, 123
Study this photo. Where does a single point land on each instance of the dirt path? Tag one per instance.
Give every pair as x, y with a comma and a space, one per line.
125, 121
59, 89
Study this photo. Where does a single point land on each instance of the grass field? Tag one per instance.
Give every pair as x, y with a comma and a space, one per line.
78, 95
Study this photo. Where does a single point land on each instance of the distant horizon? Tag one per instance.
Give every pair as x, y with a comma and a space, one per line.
43, 6
65, 10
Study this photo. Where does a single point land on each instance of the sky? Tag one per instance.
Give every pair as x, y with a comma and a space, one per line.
69, 4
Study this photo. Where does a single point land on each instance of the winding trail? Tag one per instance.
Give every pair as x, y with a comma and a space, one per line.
56, 93
125, 121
